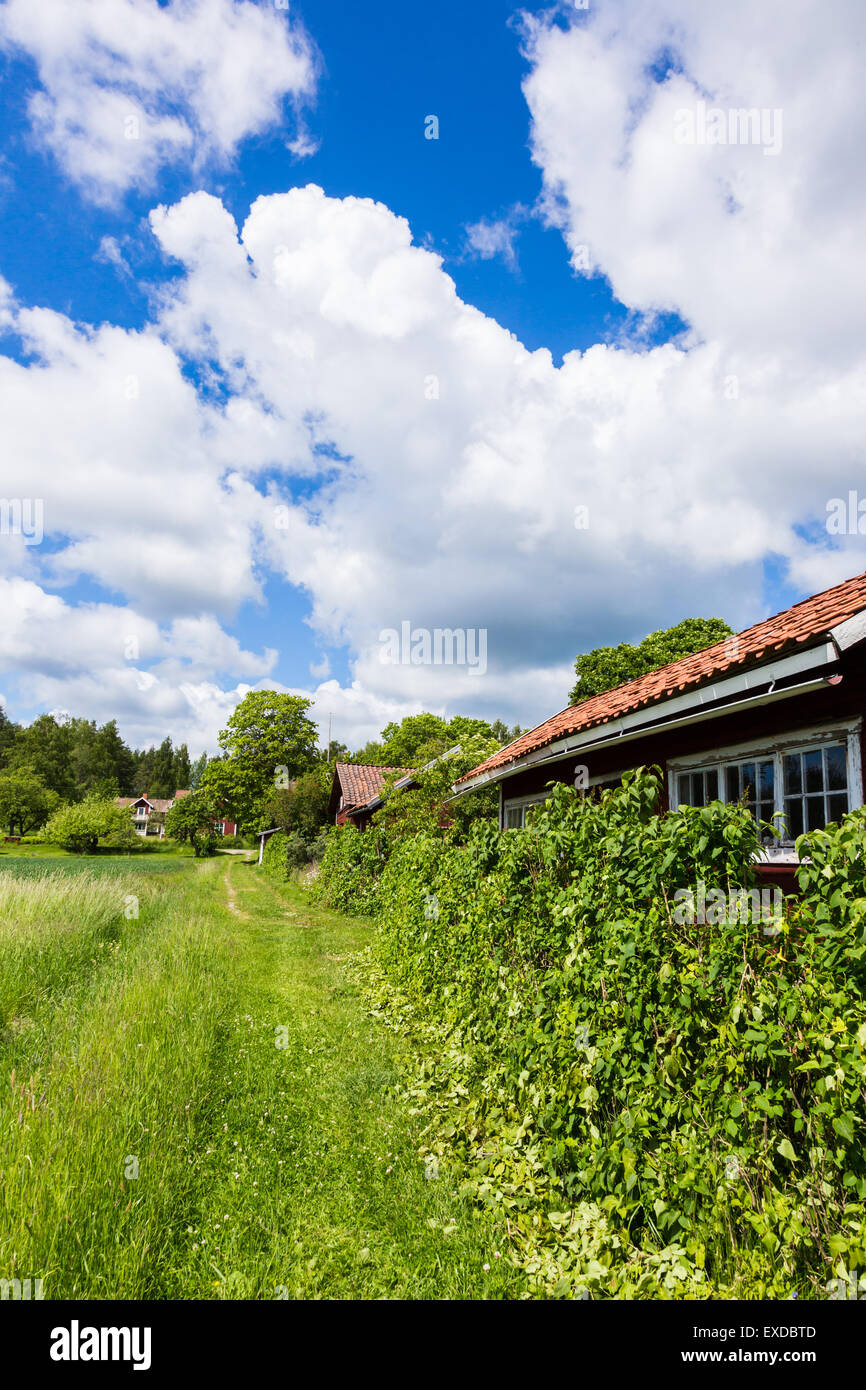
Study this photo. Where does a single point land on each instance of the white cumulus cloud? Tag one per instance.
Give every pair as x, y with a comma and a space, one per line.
127, 86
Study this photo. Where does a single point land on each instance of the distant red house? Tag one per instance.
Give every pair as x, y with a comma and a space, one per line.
149, 812
773, 717
355, 791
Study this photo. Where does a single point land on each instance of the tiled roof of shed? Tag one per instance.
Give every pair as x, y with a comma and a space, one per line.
360, 782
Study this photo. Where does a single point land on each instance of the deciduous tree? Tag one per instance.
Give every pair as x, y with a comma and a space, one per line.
25, 801
604, 668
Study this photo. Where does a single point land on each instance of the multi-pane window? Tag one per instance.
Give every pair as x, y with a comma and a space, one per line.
514, 815
698, 788
753, 784
816, 788
807, 786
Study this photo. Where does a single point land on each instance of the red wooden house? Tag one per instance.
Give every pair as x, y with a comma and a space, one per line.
148, 814
773, 716
355, 791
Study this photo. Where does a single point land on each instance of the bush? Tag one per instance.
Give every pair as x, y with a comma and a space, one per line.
285, 855
352, 866
666, 1107
80, 828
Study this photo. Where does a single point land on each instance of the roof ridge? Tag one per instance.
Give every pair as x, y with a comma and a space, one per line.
723, 642
600, 708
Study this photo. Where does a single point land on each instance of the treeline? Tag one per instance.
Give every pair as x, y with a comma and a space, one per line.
76, 758
420, 737
269, 772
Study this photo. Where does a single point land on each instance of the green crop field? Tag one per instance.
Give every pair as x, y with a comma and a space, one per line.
21, 866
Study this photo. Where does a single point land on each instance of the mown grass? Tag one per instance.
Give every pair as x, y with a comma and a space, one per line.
196, 1105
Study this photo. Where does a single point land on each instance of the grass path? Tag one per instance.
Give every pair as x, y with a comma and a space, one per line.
312, 1186
206, 1111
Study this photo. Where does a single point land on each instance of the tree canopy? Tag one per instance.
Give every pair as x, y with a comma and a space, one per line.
79, 828
604, 668
268, 741
420, 737
303, 807
191, 819
25, 801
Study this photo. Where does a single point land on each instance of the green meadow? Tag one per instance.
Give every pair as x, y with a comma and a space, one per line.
195, 1104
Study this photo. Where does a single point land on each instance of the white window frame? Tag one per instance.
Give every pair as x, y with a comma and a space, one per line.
520, 803
762, 750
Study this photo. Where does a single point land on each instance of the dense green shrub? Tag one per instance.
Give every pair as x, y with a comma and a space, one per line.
286, 854
666, 1107
81, 828
351, 869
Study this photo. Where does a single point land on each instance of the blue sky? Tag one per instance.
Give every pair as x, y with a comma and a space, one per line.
666, 298
461, 63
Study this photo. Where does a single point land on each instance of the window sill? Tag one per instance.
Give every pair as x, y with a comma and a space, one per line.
778, 854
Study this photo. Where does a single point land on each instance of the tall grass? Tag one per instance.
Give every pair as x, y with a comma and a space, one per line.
194, 1103
52, 928
107, 1075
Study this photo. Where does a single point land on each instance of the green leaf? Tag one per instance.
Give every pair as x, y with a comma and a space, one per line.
844, 1127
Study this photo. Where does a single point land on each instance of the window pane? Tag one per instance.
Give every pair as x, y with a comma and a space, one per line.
838, 806
697, 789
683, 789
814, 812
813, 765
837, 768
766, 781
793, 777
712, 785
794, 818
747, 773
732, 782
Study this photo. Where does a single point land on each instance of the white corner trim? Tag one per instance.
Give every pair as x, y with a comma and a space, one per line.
850, 632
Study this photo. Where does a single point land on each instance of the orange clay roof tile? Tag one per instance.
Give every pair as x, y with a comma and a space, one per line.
360, 782
807, 620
